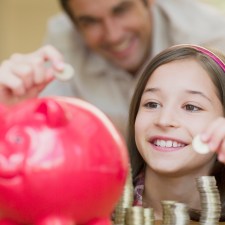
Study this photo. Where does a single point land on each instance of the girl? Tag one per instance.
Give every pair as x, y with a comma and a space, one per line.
180, 94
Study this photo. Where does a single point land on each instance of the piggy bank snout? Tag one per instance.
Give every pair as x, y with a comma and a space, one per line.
10, 165
14, 148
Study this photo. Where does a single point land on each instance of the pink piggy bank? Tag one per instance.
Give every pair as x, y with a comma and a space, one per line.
61, 163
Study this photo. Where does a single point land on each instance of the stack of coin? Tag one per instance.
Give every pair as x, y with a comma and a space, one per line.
168, 215
180, 213
210, 200
138, 215
134, 216
149, 217
125, 201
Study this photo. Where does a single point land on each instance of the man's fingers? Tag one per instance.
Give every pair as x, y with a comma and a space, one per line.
49, 53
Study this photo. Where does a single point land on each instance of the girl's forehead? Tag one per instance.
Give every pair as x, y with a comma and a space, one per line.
185, 69
179, 75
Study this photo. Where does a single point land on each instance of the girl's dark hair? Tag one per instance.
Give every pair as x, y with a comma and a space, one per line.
218, 78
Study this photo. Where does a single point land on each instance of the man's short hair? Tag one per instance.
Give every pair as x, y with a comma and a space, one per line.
64, 5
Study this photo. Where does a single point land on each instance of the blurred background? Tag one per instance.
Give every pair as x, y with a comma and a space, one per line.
23, 23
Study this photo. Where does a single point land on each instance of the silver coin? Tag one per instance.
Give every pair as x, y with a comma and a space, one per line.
66, 74
199, 146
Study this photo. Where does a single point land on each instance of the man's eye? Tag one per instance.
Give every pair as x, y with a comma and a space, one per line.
125, 7
121, 10
192, 108
84, 23
152, 105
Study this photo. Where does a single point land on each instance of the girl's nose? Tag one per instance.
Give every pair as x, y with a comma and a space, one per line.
167, 118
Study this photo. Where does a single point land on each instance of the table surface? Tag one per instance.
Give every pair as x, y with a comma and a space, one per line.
191, 223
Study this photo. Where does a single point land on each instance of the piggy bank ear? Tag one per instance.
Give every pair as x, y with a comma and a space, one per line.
3, 112
54, 112
3, 109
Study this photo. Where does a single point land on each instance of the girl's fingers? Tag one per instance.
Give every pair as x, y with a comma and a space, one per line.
217, 138
214, 133
221, 153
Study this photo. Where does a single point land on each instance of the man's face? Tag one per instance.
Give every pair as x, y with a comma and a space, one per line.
119, 30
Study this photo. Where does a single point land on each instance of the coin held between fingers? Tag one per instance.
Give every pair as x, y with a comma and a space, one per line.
199, 146
66, 74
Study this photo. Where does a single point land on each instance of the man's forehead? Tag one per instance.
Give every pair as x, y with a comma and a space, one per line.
90, 8
77, 5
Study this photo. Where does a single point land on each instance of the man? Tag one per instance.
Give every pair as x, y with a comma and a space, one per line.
108, 43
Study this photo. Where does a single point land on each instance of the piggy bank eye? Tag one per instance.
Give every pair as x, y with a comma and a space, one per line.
16, 139
16, 135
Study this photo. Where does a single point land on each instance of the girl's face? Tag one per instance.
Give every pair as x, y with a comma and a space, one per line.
179, 102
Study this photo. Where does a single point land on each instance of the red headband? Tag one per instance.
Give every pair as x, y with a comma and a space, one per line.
211, 55
207, 52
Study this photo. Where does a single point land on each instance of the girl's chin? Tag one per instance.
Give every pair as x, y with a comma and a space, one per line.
162, 167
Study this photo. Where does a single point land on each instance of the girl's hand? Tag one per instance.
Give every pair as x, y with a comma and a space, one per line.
214, 136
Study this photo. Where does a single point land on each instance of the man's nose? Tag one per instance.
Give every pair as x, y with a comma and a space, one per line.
113, 30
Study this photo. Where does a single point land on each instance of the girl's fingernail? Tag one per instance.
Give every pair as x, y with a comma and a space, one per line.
212, 146
203, 137
221, 157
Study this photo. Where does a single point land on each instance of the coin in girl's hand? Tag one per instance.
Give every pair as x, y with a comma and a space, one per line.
66, 74
199, 146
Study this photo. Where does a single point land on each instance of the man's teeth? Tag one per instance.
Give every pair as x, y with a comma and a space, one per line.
168, 143
121, 46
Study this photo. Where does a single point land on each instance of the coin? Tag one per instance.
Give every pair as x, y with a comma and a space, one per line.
199, 146
66, 74
210, 200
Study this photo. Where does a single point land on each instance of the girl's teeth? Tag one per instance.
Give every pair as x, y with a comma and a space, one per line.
168, 144
175, 144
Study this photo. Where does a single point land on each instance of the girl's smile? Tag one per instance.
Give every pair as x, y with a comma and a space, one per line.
166, 144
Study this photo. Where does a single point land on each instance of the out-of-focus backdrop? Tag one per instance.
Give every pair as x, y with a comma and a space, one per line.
23, 23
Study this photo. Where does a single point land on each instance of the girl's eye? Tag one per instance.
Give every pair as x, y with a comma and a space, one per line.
192, 108
152, 105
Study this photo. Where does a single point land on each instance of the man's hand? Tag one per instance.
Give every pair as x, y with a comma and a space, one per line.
23, 76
